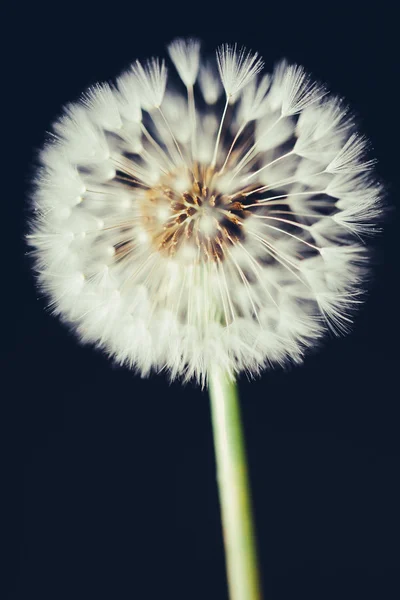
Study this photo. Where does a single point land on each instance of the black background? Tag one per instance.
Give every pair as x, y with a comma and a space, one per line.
109, 479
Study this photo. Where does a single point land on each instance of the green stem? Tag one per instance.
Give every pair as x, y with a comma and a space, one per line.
234, 491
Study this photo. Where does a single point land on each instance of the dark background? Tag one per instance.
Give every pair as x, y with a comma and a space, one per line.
109, 480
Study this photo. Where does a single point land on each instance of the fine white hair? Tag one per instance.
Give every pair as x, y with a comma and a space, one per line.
174, 233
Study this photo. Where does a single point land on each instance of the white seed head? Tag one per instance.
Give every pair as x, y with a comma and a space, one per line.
254, 100
237, 68
210, 83
172, 247
128, 99
152, 79
299, 91
103, 107
185, 54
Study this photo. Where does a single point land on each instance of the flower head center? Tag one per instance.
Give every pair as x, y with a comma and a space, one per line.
198, 218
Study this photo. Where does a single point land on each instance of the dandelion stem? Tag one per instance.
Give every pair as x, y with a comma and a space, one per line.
232, 146
172, 135
234, 492
214, 160
192, 117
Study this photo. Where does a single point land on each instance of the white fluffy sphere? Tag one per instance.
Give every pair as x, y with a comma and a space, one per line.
215, 222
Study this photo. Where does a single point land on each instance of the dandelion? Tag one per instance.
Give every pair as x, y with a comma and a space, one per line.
203, 236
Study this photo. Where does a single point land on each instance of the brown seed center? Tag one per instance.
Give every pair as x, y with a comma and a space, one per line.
200, 217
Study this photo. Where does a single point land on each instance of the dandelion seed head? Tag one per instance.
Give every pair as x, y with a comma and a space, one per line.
174, 231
